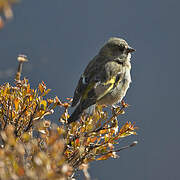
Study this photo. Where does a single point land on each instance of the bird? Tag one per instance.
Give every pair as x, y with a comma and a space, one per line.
106, 78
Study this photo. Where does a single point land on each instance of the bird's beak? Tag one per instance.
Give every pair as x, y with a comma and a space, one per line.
130, 49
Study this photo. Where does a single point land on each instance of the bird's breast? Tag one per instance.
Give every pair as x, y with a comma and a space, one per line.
118, 92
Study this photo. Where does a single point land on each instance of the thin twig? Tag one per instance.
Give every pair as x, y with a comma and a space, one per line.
17, 120
118, 150
31, 119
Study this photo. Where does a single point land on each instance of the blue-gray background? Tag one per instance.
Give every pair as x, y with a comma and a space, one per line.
60, 37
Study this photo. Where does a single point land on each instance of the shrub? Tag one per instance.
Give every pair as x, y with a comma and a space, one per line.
33, 147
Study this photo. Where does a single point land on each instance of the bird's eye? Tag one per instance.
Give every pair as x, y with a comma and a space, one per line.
121, 47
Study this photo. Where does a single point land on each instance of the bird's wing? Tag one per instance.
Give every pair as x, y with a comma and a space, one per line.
79, 90
103, 81
97, 80
85, 79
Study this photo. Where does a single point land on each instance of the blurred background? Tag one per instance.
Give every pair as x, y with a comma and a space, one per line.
60, 38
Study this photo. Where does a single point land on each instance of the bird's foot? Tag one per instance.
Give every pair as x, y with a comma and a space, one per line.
114, 107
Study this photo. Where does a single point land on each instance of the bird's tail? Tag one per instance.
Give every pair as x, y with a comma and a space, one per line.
79, 110
76, 114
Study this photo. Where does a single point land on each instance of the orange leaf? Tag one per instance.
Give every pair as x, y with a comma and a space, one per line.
20, 172
93, 139
28, 89
1, 23
103, 131
57, 101
5, 91
16, 103
66, 105
125, 105
121, 112
43, 105
50, 101
46, 92
41, 88
77, 142
104, 157
43, 83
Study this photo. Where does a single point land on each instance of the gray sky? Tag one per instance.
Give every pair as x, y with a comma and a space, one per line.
60, 37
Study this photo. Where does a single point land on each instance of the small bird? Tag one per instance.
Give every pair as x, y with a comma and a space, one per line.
106, 78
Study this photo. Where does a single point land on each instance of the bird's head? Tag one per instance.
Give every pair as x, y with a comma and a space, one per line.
116, 48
